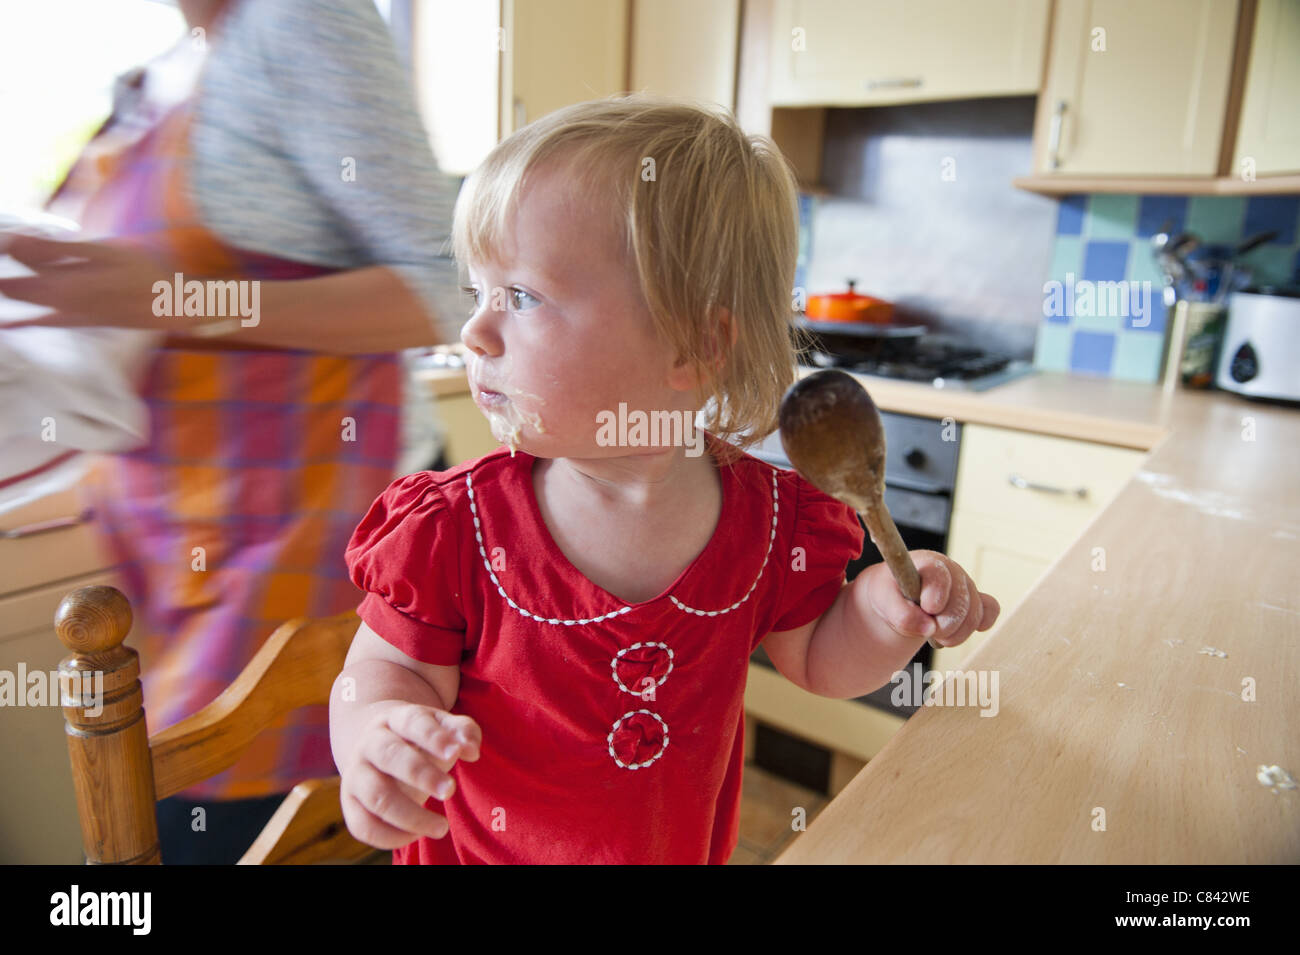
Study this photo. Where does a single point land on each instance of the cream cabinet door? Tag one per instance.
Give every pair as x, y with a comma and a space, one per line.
1005, 560
686, 48
1021, 500
560, 52
1268, 139
1136, 87
868, 52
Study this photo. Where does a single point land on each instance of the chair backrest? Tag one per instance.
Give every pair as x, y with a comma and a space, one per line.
120, 772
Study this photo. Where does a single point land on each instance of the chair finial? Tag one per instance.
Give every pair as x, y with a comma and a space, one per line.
93, 619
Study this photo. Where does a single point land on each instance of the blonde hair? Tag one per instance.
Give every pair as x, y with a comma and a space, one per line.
708, 215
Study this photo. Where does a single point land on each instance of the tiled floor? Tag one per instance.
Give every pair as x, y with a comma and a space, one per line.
767, 804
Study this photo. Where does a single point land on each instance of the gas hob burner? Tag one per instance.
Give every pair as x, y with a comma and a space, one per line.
930, 359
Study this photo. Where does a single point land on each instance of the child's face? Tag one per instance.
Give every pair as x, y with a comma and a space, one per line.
560, 331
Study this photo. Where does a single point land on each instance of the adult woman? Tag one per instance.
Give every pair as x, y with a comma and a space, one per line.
296, 166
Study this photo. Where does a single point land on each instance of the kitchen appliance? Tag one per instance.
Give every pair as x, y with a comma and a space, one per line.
1260, 356
907, 352
920, 474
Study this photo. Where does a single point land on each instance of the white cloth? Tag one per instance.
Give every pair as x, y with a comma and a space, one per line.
61, 390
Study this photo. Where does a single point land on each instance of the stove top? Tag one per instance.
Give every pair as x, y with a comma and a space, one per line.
930, 359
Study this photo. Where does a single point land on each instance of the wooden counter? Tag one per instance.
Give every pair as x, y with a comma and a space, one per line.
1110, 709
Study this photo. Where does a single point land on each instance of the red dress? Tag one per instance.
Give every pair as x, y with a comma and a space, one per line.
611, 733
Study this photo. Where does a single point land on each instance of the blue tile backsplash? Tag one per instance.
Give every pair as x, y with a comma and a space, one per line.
1119, 331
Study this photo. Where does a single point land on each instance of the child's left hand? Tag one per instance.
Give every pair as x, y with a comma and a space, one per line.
950, 602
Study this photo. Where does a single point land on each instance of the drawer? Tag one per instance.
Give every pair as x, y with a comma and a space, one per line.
1049, 470
40, 557
33, 610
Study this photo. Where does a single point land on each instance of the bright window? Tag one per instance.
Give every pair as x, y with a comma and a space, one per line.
58, 63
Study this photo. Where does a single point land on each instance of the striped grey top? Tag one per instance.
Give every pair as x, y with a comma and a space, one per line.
307, 144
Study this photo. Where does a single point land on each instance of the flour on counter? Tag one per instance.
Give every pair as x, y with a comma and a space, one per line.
1275, 777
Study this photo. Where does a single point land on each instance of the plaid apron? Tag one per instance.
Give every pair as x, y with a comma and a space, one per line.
261, 461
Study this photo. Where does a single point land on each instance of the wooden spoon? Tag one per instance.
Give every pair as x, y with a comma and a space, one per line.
831, 433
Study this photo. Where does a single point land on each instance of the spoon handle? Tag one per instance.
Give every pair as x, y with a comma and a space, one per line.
884, 534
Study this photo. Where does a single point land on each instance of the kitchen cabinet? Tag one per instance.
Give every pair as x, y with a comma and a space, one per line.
1021, 499
560, 52
38, 808
873, 52
686, 48
1268, 139
1135, 89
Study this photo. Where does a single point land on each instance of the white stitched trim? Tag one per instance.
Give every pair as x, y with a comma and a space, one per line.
610, 740
613, 666
771, 537
478, 535
487, 565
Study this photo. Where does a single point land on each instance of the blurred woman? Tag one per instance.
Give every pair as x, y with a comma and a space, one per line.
279, 146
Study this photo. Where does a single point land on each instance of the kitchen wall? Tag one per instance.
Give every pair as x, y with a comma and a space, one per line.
1107, 238
922, 212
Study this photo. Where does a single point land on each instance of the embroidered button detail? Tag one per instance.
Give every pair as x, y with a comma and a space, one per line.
638, 738
640, 663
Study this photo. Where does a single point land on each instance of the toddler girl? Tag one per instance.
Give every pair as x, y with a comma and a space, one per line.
556, 636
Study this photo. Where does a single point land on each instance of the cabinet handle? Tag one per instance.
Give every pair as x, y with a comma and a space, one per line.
521, 114
1017, 481
40, 527
894, 83
1054, 136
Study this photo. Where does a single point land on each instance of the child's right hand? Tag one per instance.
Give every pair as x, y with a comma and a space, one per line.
403, 755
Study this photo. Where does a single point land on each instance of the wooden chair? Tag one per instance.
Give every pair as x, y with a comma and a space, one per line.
120, 772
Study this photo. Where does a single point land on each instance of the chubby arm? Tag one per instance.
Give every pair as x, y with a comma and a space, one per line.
395, 742
871, 630
381, 677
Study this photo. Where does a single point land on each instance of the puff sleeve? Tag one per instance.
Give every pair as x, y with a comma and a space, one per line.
828, 536
405, 555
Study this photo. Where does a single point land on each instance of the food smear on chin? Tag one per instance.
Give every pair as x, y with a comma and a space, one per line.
504, 430
507, 425
508, 422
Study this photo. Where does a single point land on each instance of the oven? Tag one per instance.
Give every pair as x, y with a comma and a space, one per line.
920, 474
